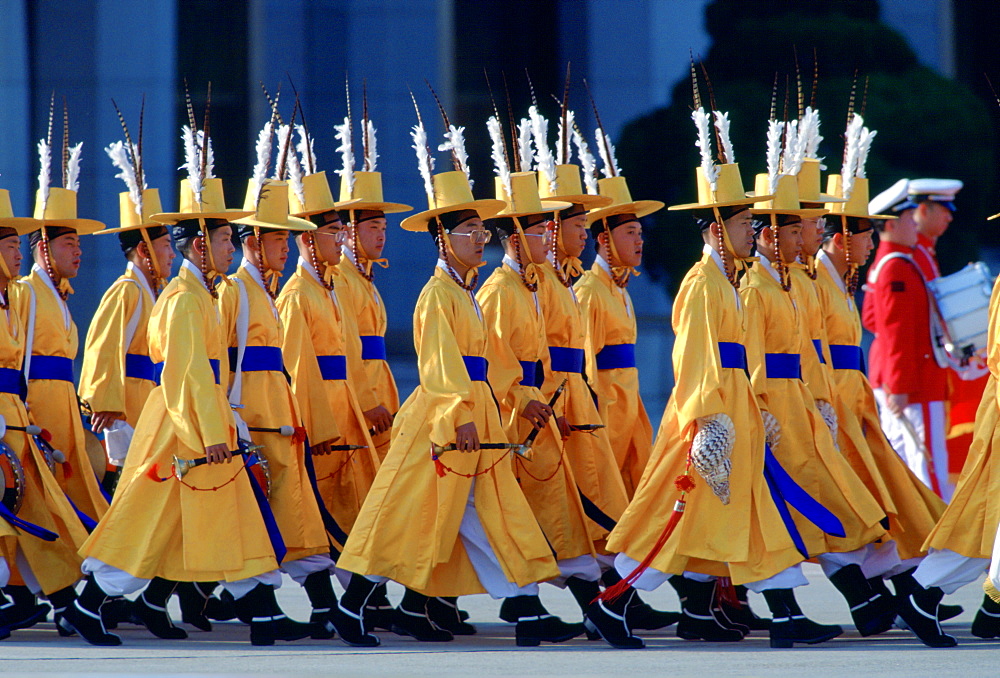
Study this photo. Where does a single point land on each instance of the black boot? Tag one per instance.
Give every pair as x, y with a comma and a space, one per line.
987, 621
919, 611
534, 623
20, 609
697, 621
872, 613
84, 615
444, 613
221, 607
378, 609
410, 619
605, 620
905, 584
267, 622
348, 615
640, 614
60, 600
151, 608
741, 612
319, 588
722, 605
193, 600
790, 626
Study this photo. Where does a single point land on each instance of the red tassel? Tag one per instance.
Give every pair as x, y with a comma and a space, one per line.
438, 466
725, 592
154, 474
46, 436
67, 470
299, 436
617, 590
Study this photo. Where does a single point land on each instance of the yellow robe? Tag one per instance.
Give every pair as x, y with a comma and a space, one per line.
368, 309
515, 332
52, 402
610, 320
54, 564
408, 527
590, 454
316, 325
806, 450
744, 539
268, 402
969, 523
912, 507
109, 381
208, 528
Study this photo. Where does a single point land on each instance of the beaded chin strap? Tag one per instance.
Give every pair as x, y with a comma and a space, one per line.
327, 270
723, 247
62, 284
444, 246
527, 271
207, 265
851, 276
570, 267
152, 265
779, 261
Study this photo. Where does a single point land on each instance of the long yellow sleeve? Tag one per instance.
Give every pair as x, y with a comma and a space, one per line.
102, 377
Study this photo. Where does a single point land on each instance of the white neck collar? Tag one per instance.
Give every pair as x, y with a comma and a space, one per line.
199, 276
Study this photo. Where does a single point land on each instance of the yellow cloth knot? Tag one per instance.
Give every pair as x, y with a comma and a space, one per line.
623, 273
64, 287
572, 267
271, 279
367, 263
329, 272
531, 273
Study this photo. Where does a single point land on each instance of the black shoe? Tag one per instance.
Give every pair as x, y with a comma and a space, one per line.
786, 631
84, 616
379, 617
642, 616
919, 612
697, 621
319, 588
14, 616
267, 622
154, 615
193, 601
987, 621
872, 612
611, 626
221, 608
545, 629
444, 613
946, 612
118, 610
418, 626
351, 629
742, 613
508, 610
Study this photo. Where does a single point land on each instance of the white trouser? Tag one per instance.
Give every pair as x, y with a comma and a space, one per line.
652, 578
929, 421
4, 572
484, 560
27, 575
116, 582
949, 571
606, 561
789, 578
582, 567
875, 560
300, 569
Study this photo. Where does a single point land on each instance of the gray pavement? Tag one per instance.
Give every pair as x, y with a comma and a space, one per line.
492, 652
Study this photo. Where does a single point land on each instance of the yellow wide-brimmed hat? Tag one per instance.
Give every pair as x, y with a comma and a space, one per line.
60, 210
212, 205
621, 201
452, 193
523, 199
857, 202
22, 225
316, 197
809, 183
130, 219
367, 194
270, 209
785, 199
728, 190
569, 187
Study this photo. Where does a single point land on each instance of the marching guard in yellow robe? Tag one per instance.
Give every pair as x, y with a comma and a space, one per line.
52, 341
212, 523
39, 530
263, 399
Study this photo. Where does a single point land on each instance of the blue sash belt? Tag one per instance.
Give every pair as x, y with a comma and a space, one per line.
783, 365
786, 492
531, 373
372, 347
89, 523
51, 367
476, 367
138, 366
616, 357
733, 355
273, 533
566, 359
819, 351
847, 357
11, 381
258, 359
332, 367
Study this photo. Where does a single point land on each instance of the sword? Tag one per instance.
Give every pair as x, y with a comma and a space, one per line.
181, 467
525, 447
516, 448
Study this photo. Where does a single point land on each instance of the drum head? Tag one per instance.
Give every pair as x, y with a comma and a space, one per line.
12, 477
95, 452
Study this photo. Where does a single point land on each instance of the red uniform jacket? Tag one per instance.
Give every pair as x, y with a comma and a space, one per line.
896, 309
926, 257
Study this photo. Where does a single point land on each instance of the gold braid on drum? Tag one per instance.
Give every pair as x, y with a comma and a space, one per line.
12, 475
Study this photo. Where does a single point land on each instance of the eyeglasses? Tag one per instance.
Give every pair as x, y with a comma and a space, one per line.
479, 236
338, 236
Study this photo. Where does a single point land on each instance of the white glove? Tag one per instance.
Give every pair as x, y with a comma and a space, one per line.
117, 439
711, 450
772, 429
830, 417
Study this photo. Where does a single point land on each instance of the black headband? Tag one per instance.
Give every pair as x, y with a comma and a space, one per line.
192, 228
360, 215
130, 239
573, 210
244, 231
504, 226
834, 224
329, 218
7, 233
451, 220
52, 232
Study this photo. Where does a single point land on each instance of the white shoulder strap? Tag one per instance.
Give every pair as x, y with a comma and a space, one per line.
29, 337
242, 330
877, 268
133, 322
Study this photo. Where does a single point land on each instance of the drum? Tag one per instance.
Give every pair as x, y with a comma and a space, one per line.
962, 300
12, 477
48, 453
96, 454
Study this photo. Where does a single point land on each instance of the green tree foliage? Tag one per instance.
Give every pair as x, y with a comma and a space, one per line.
928, 126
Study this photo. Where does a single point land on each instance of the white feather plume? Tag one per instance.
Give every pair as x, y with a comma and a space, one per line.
704, 144
561, 141
864, 146
305, 148
44, 171
544, 161
284, 136
607, 151
500, 166
853, 138
525, 153
425, 163
454, 142
263, 148
120, 158
209, 157
73, 167
722, 125
791, 155
371, 150
809, 132
588, 163
192, 160
346, 150
774, 129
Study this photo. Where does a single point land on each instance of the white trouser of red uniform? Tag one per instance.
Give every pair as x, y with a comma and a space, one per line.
930, 424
